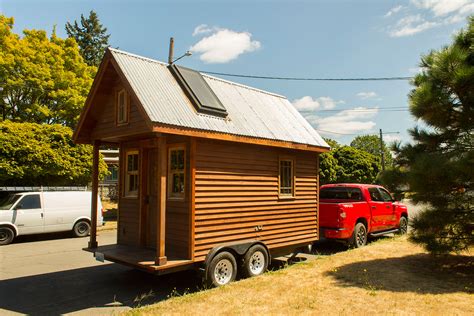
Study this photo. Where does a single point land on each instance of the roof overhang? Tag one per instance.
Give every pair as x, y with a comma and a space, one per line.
178, 130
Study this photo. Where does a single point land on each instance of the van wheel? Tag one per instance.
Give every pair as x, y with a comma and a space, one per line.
255, 261
81, 229
359, 237
6, 235
222, 269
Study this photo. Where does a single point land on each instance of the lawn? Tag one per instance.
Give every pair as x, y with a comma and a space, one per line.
389, 276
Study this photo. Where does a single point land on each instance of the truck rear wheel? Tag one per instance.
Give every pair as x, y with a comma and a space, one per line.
6, 235
222, 270
81, 229
359, 237
255, 261
403, 225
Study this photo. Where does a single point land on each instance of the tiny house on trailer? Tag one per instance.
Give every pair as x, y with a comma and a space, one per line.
213, 174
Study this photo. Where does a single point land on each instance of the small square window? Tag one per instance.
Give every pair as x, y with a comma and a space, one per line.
286, 178
131, 174
176, 173
122, 107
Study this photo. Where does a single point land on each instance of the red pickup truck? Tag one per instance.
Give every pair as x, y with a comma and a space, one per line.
352, 212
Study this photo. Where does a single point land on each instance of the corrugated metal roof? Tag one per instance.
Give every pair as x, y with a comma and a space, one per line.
251, 112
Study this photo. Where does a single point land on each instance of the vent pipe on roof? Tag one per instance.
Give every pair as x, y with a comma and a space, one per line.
170, 56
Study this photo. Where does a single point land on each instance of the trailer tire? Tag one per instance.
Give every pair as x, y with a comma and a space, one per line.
222, 269
6, 235
359, 236
255, 261
81, 229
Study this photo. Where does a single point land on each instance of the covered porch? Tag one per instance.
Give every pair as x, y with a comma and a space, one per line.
151, 207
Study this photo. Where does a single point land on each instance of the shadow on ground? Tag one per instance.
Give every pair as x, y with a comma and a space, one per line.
42, 237
420, 273
101, 286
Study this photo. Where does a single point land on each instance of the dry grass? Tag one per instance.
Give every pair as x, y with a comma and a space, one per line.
390, 276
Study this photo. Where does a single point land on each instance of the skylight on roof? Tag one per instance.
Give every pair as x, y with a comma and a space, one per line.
198, 91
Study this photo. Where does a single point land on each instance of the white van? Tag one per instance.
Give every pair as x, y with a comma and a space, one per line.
46, 212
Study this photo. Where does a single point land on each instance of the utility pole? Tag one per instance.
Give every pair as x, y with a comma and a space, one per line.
382, 154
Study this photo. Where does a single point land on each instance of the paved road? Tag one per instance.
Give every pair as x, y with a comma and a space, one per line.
51, 275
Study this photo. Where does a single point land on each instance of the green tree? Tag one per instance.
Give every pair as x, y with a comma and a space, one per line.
40, 154
439, 165
354, 165
371, 144
328, 164
91, 36
43, 80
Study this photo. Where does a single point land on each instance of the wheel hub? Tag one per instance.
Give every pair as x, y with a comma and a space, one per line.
256, 262
361, 236
223, 271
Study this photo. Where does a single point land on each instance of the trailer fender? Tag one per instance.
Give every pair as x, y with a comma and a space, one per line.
239, 248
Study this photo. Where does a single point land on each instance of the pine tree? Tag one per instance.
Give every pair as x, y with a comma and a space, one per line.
91, 37
439, 165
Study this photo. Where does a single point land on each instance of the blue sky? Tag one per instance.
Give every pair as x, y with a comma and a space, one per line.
283, 38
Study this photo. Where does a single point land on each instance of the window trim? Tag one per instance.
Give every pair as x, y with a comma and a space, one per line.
293, 177
130, 194
127, 108
170, 195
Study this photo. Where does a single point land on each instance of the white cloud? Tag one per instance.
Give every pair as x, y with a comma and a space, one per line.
427, 14
223, 45
443, 7
390, 138
202, 29
367, 95
307, 103
345, 122
411, 25
393, 11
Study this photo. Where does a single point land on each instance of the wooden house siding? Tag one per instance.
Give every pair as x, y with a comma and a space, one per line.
236, 191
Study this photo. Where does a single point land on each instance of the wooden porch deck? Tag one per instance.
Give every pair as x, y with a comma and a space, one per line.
140, 258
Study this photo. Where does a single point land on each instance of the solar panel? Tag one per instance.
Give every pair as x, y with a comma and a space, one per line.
197, 89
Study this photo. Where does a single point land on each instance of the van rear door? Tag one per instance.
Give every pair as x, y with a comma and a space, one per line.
28, 214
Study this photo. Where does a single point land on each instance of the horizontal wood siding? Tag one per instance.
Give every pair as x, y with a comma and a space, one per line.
237, 191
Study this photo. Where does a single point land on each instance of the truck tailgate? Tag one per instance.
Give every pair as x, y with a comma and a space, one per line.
328, 214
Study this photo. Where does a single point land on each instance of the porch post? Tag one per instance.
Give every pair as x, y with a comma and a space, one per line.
95, 190
161, 195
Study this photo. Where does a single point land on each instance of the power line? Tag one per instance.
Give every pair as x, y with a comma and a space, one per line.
305, 79
385, 109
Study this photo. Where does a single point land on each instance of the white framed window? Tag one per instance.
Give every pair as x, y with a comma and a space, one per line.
286, 183
131, 174
122, 107
176, 172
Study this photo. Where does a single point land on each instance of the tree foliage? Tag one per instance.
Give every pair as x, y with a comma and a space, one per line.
40, 154
43, 80
371, 144
439, 165
347, 164
91, 36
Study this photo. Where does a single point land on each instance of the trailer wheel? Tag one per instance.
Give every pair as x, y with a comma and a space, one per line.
403, 225
359, 237
222, 269
255, 261
81, 229
6, 235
